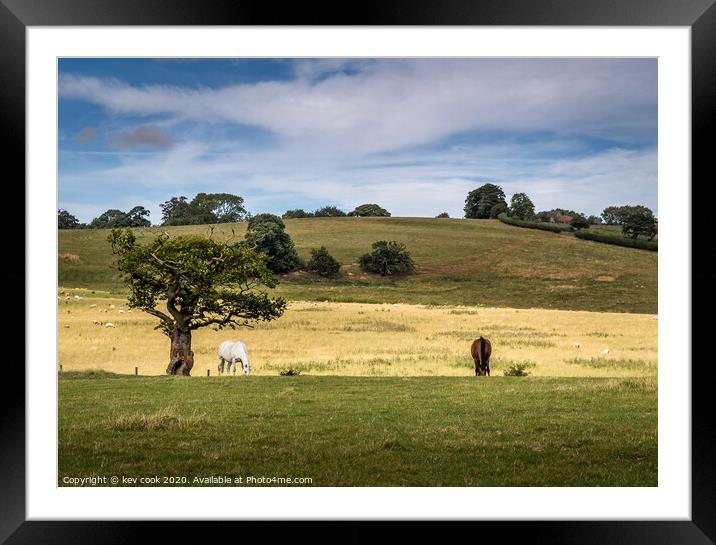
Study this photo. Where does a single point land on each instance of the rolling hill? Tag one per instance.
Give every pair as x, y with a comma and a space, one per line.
459, 262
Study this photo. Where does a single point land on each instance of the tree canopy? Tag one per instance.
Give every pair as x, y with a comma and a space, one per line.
204, 208
266, 233
369, 209
387, 258
113, 219
521, 207
203, 283
329, 212
480, 202
65, 220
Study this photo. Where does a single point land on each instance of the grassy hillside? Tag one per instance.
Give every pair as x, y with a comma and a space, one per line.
459, 262
351, 431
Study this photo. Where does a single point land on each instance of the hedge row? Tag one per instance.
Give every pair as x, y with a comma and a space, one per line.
553, 227
619, 241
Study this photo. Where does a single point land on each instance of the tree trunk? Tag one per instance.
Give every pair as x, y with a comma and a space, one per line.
181, 358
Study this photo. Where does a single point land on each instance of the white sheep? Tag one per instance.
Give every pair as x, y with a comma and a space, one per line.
109, 324
577, 345
605, 351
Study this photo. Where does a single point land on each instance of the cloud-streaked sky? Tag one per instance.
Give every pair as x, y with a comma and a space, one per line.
414, 135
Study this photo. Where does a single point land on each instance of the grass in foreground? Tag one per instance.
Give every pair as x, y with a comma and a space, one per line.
459, 262
348, 431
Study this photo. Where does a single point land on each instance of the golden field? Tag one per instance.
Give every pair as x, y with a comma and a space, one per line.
355, 339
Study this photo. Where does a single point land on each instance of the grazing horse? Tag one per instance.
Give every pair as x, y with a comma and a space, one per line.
230, 352
480, 351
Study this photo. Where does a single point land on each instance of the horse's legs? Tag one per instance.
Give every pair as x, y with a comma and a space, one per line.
221, 365
233, 367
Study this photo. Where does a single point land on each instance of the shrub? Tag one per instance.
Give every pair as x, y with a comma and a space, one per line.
296, 214
266, 233
618, 241
443, 215
387, 258
552, 227
290, 373
517, 369
329, 212
580, 222
323, 263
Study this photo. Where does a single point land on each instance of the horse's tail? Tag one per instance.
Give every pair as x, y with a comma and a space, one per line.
483, 351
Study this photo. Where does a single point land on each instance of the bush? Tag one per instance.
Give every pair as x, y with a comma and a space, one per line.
580, 222
329, 212
323, 263
552, 227
387, 258
290, 373
618, 241
517, 369
443, 215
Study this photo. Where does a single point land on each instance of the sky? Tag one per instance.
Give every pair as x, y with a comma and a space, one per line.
413, 135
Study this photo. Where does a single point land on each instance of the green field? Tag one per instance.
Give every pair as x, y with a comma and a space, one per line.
358, 431
459, 262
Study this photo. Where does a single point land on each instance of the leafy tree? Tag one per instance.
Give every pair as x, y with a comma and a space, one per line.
369, 210
136, 217
110, 219
594, 220
521, 207
499, 208
266, 234
65, 220
296, 214
323, 263
329, 212
387, 258
176, 211
579, 222
611, 215
479, 202
217, 208
204, 208
204, 283
638, 220
544, 216
443, 215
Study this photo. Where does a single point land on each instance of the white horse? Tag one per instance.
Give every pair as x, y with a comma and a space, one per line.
230, 352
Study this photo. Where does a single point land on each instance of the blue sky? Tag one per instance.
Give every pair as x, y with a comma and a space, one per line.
414, 135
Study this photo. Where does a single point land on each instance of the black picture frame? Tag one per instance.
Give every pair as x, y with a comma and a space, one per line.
699, 15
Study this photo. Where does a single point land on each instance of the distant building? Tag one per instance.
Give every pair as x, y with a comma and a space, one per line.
564, 218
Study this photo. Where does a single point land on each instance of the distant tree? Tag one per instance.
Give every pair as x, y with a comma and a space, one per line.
479, 202
594, 220
369, 210
296, 214
612, 214
638, 220
176, 211
323, 263
329, 212
110, 219
579, 222
443, 215
217, 208
521, 207
204, 283
266, 234
544, 216
499, 208
137, 217
387, 258
203, 209
65, 220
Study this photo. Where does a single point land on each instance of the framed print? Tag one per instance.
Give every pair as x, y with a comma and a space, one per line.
403, 267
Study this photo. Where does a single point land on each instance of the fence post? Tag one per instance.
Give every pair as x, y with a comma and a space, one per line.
60, 368
136, 371
208, 372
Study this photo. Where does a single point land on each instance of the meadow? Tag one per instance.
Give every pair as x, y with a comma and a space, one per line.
459, 262
385, 393
360, 431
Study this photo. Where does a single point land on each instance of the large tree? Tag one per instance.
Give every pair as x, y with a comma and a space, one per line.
203, 283
266, 233
218, 208
521, 207
369, 209
329, 212
480, 202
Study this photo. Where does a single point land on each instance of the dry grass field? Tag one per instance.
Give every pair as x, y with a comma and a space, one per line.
354, 339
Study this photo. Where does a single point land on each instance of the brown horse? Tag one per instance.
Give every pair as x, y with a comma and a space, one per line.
481, 350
